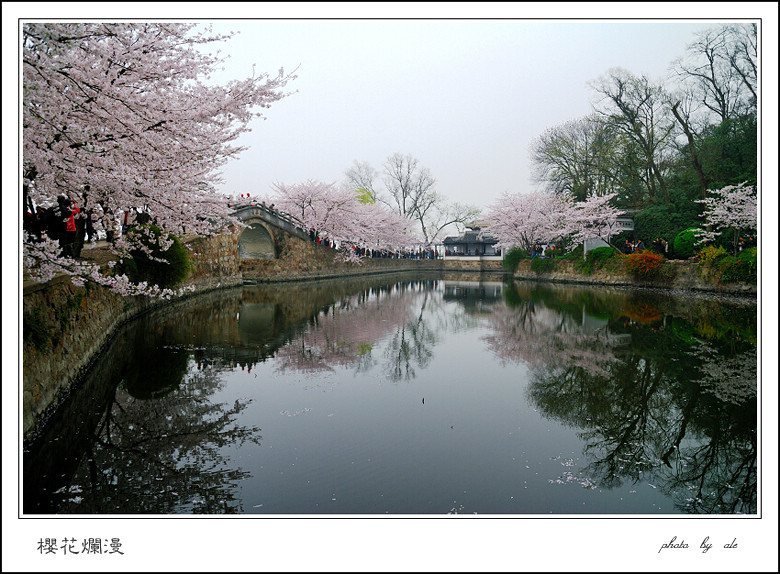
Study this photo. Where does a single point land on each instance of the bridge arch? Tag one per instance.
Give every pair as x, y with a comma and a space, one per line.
265, 227
256, 241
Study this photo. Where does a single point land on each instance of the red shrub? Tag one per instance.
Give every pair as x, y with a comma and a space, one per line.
644, 264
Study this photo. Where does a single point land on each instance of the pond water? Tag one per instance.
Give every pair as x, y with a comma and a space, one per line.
413, 395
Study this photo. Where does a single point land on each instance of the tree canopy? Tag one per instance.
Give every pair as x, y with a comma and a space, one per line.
410, 190
661, 145
122, 116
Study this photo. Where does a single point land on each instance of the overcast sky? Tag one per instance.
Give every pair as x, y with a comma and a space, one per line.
465, 97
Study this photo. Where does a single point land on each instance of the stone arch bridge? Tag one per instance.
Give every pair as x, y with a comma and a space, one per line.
262, 238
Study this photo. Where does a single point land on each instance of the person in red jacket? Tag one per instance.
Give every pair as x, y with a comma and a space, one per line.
70, 229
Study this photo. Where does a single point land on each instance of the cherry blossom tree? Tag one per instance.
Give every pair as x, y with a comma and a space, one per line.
317, 205
121, 117
731, 207
522, 219
337, 213
594, 217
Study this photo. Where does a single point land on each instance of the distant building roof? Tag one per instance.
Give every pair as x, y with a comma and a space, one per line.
471, 236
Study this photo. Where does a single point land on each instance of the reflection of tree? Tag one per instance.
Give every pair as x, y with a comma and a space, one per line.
141, 382
411, 343
656, 404
731, 379
407, 314
344, 333
719, 473
534, 334
163, 455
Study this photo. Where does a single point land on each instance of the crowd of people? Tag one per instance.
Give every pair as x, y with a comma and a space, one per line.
630, 247
746, 243
66, 224
551, 250
58, 223
661, 246
418, 253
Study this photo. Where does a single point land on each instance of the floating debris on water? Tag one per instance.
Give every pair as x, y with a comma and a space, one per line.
296, 413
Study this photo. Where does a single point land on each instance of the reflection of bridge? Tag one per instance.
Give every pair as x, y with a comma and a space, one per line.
260, 239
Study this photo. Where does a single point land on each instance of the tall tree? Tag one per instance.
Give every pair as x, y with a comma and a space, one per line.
122, 116
637, 108
743, 57
409, 184
569, 157
361, 178
683, 118
590, 157
410, 192
720, 69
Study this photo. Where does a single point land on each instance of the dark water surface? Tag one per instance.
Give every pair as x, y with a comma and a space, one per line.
399, 395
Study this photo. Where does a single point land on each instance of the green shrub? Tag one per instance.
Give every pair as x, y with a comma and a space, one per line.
685, 243
542, 265
167, 273
742, 268
711, 254
595, 259
600, 254
513, 257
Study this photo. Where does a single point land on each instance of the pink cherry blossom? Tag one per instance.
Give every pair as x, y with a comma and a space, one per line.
522, 219
336, 213
733, 206
121, 116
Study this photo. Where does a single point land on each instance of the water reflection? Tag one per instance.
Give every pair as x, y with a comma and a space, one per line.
660, 393
657, 390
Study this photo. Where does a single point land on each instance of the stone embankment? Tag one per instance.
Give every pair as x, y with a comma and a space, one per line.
677, 276
65, 327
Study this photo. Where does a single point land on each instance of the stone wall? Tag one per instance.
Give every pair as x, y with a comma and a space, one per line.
676, 275
65, 327
474, 265
214, 261
299, 259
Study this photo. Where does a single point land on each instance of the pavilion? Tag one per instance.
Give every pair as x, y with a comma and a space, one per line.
472, 242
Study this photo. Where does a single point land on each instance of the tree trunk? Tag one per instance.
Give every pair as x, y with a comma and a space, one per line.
696, 164
78, 243
661, 182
